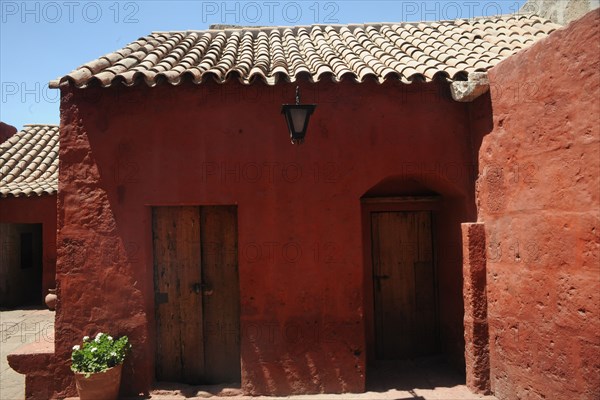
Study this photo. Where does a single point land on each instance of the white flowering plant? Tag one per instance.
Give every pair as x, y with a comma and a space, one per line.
99, 354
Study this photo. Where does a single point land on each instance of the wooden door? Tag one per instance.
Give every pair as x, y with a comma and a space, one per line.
404, 284
196, 292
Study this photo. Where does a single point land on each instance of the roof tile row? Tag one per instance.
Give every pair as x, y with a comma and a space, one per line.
29, 162
408, 52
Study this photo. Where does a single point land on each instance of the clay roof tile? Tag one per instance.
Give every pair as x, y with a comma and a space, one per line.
404, 51
29, 162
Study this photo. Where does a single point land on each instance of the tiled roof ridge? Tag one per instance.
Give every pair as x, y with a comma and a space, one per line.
294, 28
29, 161
407, 52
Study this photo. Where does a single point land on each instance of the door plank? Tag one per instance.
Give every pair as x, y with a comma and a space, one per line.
221, 295
424, 286
177, 256
377, 282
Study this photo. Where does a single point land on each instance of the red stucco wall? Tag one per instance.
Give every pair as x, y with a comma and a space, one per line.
124, 150
36, 210
538, 195
6, 131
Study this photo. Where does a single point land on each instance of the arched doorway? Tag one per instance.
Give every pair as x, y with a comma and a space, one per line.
413, 272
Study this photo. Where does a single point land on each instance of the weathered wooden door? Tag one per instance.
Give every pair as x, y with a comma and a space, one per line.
404, 284
196, 294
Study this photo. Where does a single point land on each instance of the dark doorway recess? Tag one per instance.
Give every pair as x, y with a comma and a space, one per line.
21, 265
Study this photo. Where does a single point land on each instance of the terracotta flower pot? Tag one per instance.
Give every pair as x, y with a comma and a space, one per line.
99, 386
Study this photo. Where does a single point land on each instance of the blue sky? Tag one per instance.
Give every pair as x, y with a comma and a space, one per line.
42, 40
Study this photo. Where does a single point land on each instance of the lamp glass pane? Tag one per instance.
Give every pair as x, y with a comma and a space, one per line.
298, 118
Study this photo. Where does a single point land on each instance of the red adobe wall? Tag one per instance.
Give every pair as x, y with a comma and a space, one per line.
6, 131
538, 196
36, 210
124, 150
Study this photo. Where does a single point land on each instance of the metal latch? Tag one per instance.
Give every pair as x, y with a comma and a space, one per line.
205, 288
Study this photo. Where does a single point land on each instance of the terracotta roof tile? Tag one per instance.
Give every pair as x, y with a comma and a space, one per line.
29, 162
403, 51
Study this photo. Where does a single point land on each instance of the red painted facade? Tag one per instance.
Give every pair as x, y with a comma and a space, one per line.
304, 311
36, 210
538, 195
303, 240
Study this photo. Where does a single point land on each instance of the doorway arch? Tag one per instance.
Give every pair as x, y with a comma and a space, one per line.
395, 208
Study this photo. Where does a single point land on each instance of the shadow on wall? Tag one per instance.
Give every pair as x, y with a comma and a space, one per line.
482, 124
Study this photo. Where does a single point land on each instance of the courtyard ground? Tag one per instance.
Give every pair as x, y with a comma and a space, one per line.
424, 379
18, 327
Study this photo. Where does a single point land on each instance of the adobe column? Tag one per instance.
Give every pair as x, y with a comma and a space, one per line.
475, 300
